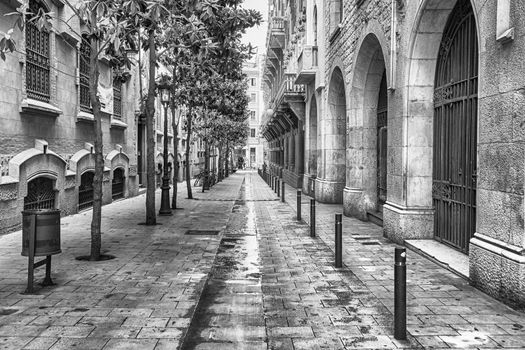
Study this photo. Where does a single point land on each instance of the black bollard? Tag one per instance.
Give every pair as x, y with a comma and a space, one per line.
312, 217
282, 191
338, 240
400, 294
277, 186
298, 205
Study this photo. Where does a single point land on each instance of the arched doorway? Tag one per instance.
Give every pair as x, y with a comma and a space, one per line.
117, 184
331, 177
455, 130
366, 167
41, 194
85, 190
381, 143
312, 137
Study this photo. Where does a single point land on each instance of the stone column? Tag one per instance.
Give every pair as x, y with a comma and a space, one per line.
291, 154
299, 150
286, 160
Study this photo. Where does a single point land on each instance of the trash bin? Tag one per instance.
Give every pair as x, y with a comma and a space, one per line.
40, 237
45, 225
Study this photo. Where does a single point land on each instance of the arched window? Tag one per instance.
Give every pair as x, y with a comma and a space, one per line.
37, 56
117, 99
315, 26
40, 194
84, 68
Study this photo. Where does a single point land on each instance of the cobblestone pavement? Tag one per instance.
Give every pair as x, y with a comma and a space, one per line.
444, 311
263, 283
143, 299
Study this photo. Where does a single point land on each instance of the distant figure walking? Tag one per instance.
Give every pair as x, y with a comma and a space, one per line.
240, 163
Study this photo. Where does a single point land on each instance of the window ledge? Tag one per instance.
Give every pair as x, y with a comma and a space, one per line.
85, 117
31, 106
116, 123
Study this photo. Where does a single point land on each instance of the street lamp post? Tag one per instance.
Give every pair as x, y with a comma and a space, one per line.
165, 208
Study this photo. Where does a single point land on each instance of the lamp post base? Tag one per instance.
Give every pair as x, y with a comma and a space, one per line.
165, 208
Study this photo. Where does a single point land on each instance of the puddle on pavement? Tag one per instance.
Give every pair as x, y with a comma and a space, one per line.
233, 291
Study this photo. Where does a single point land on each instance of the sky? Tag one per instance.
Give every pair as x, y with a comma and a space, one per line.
257, 35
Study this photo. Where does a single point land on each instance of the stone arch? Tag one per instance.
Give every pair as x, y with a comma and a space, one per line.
116, 159
360, 194
36, 162
331, 180
312, 137
425, 42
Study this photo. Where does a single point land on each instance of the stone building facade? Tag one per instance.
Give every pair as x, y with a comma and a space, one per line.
253, 152
413, 116
46, 138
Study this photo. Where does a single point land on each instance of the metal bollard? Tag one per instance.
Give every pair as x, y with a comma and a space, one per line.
282, 191
400, 294
278, 186
338, 240
312, 217
298, 205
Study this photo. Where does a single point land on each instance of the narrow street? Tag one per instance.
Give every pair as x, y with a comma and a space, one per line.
261, 283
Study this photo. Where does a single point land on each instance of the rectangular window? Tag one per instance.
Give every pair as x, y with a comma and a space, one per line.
37, 59
253, 81
252, 155
84, 63
117, 99
252, 132
252, 115
253, 98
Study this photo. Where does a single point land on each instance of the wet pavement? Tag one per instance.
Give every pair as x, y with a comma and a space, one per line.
261, 283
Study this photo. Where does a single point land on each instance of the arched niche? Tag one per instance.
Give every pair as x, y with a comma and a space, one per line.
361, 195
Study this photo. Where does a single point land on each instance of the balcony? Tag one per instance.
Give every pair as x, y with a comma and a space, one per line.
289, 91
307, 65
276, 36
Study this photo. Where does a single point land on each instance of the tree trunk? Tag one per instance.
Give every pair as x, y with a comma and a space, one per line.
206, 183
220, 167
188, 138
96, 221
175, 126
227, 172
151, 217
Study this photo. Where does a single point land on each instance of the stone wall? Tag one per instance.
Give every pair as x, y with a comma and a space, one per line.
64, 130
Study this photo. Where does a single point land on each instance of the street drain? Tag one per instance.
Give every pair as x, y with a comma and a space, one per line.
202, 232
370, 243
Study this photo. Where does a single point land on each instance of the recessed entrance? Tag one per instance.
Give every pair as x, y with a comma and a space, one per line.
85, 190
455, 130
117, 184
381, 143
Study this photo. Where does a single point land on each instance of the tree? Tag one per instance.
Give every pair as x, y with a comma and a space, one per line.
203, 76
107, 33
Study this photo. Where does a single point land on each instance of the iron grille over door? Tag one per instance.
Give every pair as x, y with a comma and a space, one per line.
40, 194
37, 57
85, 191
84, 68
117, 185
382, 122
455, 128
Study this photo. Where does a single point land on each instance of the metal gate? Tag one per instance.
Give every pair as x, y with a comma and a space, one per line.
85, 191
40, 194
382, 120
117, 185
455, 127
